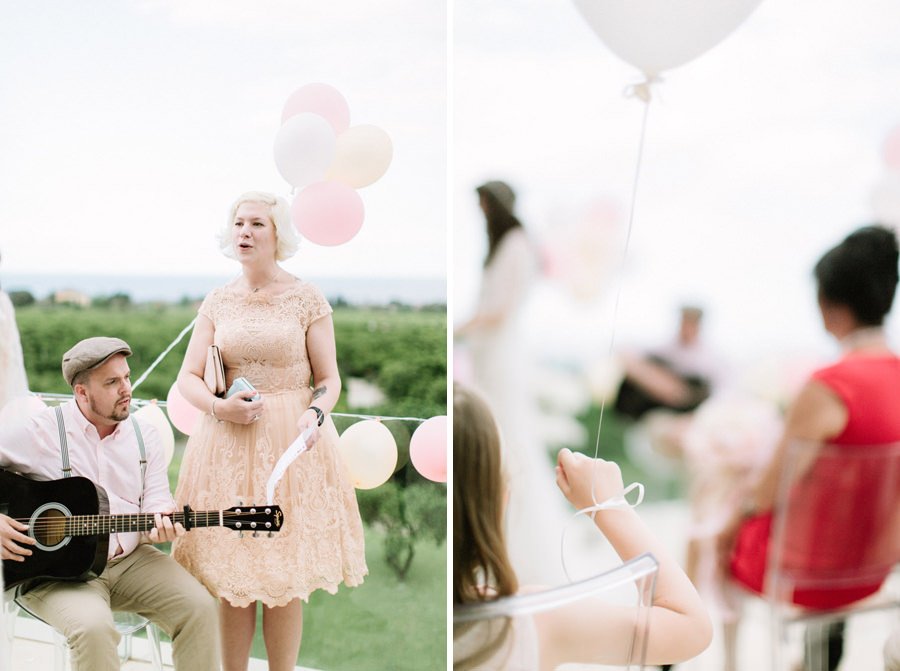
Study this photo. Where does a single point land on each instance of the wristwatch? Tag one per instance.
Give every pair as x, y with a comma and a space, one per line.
319, 414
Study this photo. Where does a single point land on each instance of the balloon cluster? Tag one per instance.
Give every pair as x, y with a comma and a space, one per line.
320, 153
886, 194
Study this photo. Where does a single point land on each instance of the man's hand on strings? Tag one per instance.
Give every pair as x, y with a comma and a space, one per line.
12, 537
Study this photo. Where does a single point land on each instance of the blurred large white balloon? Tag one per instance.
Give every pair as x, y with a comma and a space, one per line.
19, 409
362, 155
657, 35
369, 453
304, 149
153, 415
886, 200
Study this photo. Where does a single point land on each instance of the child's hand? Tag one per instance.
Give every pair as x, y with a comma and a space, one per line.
576, 472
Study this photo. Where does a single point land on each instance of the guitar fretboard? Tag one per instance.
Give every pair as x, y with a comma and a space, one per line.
95, 525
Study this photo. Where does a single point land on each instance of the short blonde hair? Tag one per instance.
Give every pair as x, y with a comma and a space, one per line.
286, 237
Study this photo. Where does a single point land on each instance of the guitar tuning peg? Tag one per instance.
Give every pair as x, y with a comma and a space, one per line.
256, 534
240, 534
271, 534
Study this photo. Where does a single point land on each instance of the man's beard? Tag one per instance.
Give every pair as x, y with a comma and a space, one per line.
114, 415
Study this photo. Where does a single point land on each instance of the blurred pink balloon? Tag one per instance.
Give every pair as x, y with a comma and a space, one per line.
181, 413
328, 213
321, 99
892, 149
428, 448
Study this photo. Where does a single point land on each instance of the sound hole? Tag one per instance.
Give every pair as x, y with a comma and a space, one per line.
48, 526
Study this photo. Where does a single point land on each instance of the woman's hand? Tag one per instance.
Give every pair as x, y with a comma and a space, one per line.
239, 409
577, 473
308, 419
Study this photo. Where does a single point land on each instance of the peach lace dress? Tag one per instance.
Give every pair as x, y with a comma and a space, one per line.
263, 338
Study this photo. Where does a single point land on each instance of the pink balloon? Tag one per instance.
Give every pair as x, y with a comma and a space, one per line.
892, 149
181, 413
321, 99
428, 448
328, 213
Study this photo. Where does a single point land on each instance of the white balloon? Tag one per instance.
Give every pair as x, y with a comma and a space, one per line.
19, 409
657, 35
304, 149
362, 156
369, 453
154, 416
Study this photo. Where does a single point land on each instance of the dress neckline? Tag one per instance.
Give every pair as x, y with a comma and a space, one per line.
259, 295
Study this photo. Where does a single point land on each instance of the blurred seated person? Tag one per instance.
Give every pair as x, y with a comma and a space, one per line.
678, 376
850, 403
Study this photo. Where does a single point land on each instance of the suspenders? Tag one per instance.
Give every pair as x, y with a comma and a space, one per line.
64, 450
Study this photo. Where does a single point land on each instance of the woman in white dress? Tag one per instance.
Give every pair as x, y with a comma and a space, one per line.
13, 381
501, 367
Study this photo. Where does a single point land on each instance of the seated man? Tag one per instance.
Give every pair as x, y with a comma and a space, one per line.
91, 436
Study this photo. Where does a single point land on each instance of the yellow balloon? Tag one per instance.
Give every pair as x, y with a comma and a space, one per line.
369, 453
155, 417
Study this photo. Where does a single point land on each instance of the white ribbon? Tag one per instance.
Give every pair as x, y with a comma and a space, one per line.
293, 451
643, 91
618, 502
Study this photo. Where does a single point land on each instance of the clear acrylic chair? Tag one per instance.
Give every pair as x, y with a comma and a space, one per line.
835, 539
127, 624
511, 633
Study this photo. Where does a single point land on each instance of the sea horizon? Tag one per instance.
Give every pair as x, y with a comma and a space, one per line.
413, 291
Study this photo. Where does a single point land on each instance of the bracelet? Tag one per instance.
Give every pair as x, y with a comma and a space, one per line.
319, 414
213, 412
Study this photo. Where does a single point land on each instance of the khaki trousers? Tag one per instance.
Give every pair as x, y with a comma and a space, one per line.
148, 582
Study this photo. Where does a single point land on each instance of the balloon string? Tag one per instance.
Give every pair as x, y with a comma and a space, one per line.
163, 355
621, 272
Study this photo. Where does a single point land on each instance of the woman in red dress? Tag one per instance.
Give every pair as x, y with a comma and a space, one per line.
852, 402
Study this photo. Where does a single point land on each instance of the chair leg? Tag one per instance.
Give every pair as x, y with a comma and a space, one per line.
155, 652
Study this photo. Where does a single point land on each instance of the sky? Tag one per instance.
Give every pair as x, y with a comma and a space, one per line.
127, 127
759, 155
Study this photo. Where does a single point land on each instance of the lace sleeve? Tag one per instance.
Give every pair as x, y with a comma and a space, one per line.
315, 305
208, 306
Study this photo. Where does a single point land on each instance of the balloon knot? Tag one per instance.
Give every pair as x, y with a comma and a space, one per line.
643, 91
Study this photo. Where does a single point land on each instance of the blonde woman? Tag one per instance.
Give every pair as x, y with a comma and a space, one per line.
589, 631
276, 331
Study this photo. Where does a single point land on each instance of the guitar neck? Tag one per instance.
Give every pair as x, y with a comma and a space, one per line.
101, 525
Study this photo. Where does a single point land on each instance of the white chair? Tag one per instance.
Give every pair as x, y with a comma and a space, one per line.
506, 634
836, 529
127, 624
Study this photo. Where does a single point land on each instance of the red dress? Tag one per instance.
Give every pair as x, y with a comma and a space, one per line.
869, 387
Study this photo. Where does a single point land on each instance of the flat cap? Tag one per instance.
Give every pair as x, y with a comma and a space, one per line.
90, 353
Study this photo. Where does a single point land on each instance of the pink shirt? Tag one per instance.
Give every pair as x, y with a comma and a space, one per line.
32, 449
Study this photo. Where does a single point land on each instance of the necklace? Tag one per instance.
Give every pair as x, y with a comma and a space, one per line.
263, 286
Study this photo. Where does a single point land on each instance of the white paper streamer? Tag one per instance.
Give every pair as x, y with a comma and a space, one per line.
293, 451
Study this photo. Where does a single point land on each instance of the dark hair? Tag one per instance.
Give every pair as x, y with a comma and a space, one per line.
861, 274
499, 219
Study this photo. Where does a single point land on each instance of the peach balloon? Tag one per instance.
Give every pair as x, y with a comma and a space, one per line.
321, 99
328, 213
428, 448
361, 157
369, 453
181, 413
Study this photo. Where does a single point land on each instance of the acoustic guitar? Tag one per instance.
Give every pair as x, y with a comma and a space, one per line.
69, 520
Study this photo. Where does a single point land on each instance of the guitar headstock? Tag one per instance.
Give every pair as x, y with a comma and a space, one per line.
253, 518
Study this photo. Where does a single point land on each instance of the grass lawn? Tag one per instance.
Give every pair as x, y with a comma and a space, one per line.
383, 623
